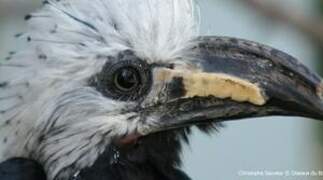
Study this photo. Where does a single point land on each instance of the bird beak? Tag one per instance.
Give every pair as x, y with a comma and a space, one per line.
229, 79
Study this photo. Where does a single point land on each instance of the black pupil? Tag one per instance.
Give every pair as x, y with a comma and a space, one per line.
126, 79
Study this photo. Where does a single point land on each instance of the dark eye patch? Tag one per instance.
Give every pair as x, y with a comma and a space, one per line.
126, 77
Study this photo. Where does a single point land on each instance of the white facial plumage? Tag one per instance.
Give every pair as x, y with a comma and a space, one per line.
47, 110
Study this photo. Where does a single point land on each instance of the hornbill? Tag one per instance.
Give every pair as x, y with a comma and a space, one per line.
109, 89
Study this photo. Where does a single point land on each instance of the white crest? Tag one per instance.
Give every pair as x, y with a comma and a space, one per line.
47, 111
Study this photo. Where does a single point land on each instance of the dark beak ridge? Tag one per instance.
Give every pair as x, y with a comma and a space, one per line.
289, 86
235, 79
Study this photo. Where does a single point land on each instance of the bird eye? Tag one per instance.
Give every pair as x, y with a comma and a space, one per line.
125, 77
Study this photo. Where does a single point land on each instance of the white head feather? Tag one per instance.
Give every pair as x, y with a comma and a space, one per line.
47, 111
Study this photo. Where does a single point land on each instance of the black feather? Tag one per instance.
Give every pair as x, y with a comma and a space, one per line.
155, 157
21, 169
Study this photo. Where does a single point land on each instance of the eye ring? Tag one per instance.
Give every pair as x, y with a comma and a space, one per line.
125, 77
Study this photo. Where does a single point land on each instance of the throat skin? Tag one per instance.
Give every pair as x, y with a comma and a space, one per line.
155, 157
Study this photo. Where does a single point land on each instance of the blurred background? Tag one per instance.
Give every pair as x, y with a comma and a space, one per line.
266, 144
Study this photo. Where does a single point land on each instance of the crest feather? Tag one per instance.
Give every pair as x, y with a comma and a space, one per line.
64, 42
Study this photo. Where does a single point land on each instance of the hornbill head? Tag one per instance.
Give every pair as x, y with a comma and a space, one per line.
127, 79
